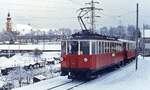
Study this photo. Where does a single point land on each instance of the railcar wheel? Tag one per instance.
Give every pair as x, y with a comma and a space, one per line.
90, 76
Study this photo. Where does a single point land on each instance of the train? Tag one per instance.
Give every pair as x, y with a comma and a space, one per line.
86, 53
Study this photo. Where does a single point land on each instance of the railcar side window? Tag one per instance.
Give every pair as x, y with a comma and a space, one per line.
117, 45
103, 46
127, 46
96, 47
106, 47
84, 47
109, 47
93, 47
113, 47
100, 47
63, 48
120, 47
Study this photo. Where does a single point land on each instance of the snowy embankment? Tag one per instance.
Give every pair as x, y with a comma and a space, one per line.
17, 60
26, 59
125, 78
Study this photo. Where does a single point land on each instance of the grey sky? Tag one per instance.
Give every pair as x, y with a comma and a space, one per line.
62, 13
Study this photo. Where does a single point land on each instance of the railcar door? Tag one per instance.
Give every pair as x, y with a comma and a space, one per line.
73, 53
63, 48
125, 50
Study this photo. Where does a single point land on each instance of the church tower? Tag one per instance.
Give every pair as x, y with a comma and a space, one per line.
8, 23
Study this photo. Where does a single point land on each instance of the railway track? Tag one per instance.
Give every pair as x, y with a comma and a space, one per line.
67, 85
76, 85
59, 85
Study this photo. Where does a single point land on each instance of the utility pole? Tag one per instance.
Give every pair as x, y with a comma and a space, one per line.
44, 37
143, 41
92, 9
119, 20
86, 10
137, 28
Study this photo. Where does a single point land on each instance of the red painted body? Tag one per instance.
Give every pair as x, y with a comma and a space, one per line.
131, 53
95, 62
75, 65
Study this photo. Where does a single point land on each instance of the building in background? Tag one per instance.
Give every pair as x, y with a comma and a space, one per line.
9, 23
145, 42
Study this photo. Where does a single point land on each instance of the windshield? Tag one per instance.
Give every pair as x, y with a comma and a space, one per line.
73, 47
63, 48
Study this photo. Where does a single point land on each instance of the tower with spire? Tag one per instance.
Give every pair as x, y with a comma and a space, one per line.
9, 23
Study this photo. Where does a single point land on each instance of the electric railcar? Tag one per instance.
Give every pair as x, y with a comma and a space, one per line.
87, 53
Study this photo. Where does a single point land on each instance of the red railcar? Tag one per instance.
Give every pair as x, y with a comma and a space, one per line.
84, 57
87, 52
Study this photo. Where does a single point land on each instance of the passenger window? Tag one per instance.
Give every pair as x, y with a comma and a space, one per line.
100, 47
84, 47
126, 46
117, 47
96, 47
113, 47
93, 47
109, 47
103, 48
106, 47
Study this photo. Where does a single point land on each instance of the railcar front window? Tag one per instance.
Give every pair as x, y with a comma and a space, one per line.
63, 48
73, 47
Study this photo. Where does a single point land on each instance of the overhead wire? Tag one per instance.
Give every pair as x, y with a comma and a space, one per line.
76, 3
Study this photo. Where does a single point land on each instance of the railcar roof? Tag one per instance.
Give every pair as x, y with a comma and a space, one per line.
128, 41
89, 35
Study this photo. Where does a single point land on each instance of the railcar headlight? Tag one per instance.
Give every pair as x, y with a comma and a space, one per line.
61, 59
85, 60
113, 54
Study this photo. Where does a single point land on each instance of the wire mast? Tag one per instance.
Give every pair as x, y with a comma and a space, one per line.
86, 10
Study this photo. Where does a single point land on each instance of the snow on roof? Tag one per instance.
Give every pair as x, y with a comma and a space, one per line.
123, 40
41, 77
50, 54
23, 29
17, 60
26, 59
27, 28
146, 33
2, 83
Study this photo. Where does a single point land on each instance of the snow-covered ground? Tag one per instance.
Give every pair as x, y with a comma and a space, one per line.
125, 78
20, 60
17, 60
26, 59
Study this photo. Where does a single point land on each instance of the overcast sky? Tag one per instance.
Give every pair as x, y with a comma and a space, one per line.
62, 13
